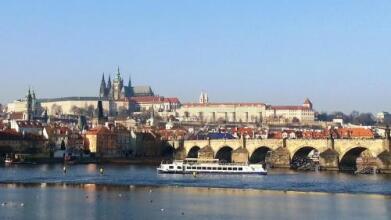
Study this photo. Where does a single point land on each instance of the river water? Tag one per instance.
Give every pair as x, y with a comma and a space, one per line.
138, 192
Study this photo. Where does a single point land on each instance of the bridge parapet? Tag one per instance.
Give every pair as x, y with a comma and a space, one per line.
374, 146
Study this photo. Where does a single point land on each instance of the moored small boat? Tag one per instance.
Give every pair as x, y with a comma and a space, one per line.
8, 161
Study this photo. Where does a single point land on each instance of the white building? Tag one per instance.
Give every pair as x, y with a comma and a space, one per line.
301, 113
27, 127
244, 112
383, 116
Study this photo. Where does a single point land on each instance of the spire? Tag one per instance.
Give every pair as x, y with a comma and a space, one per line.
130, 82
118, 74
102, 90
108, 87
29, 105
29, 94
202, 97
109, 82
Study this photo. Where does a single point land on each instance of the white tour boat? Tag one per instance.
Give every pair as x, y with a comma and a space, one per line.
211, 166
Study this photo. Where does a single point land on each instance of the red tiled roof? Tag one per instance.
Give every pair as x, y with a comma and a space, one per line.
98, 130
29, 124
355, 133
153, 99
224, 103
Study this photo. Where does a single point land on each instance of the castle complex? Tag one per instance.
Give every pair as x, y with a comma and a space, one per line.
116, 97
116, 90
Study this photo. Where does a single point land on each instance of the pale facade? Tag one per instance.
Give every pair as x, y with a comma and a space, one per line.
67, 106
17, 106
244, 112
222, 112
291, 113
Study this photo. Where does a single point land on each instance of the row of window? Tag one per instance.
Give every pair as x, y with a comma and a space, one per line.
209, 168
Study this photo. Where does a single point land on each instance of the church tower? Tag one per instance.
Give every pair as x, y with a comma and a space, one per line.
103, 89
118, 85
130, 92
29, 115
34, 106
308, 104
108, 89
204, 98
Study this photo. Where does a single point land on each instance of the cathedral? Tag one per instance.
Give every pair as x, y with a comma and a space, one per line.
116, 90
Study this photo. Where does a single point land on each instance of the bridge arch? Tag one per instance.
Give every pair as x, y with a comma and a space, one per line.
348, 160
300, 156
259, 154
193, 152
224, 154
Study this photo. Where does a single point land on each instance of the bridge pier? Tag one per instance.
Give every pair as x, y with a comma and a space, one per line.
279, 158
240, 155
206, 152
180, 153
385, 157
329, 160
385, 162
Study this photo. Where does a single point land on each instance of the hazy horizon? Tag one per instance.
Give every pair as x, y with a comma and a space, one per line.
276, 52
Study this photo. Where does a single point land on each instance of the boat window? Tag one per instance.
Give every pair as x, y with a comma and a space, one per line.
204, 168
235, 168
240, 168
198, 168
224, 168
179, 167
188, 168
213, 168
229, 168
209, 168
171, 167
219, 168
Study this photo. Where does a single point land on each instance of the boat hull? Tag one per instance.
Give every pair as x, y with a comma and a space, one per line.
197, 166
205, 172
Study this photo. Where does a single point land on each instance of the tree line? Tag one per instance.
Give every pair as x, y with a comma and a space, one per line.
354, 117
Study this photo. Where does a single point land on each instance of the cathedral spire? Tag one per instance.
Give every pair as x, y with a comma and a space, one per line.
130, 82
118, 74
102, 90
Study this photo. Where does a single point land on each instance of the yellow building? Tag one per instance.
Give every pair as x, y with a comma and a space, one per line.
102, 141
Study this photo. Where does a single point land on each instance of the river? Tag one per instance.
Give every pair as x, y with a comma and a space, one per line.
138, 192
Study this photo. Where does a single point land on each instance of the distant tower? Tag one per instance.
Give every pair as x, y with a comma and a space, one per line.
82, 122
204, 98
130, 88
108, 89
118, 85
307, 104
100, 112
29, 115
34, 104
103, 89
45, 116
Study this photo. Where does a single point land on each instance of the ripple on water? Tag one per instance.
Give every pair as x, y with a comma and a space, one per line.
146, 175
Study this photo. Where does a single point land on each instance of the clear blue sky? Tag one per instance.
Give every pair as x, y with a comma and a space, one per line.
337, 53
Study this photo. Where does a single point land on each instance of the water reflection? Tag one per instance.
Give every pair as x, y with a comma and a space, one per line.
96, 201
280, 180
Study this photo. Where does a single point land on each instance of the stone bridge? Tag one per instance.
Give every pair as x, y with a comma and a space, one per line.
335, 154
